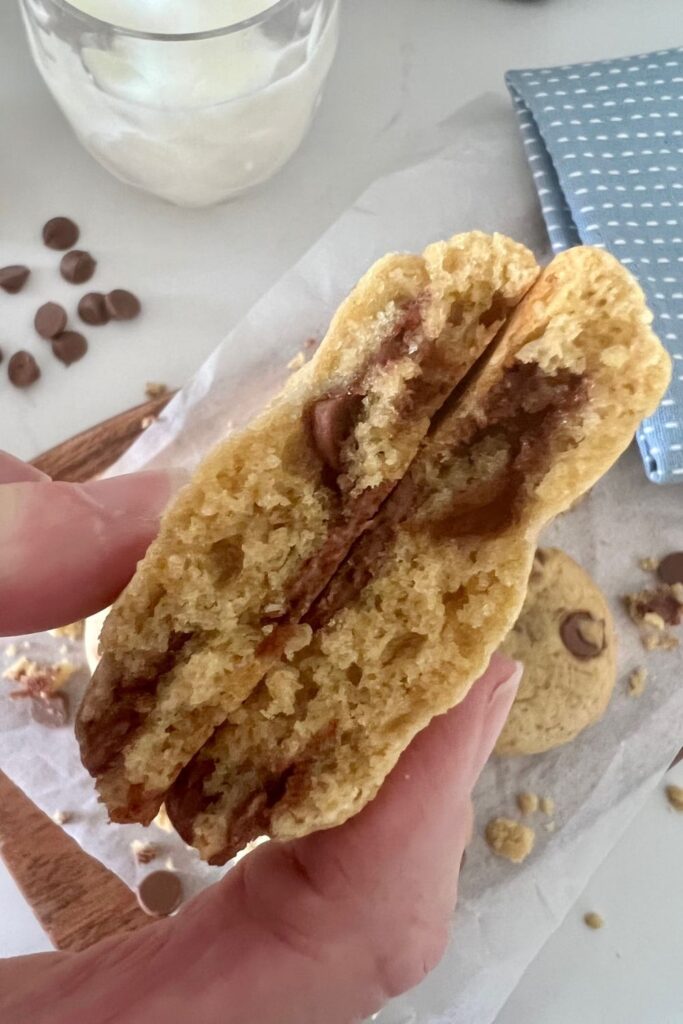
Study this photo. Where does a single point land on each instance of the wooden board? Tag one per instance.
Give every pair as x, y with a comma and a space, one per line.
76, 899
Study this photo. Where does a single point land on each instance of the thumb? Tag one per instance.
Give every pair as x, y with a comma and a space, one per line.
326, 928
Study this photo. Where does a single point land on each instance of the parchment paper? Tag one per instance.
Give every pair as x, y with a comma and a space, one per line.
599, 782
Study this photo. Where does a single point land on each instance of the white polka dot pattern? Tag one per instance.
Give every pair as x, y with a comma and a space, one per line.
605, 147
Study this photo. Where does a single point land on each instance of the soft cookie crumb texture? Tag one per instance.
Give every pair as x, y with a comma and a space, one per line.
510, 839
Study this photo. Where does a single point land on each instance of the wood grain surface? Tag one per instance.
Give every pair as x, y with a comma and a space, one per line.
88, 454
76, 899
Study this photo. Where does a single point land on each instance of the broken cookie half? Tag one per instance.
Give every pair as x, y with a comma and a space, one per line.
225, 592
413, 614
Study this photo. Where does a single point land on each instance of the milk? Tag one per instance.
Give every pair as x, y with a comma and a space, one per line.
173, 16
194, 121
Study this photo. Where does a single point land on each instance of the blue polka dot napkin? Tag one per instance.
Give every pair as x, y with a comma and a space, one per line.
605, 146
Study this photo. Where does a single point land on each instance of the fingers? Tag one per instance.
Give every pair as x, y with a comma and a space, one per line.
13, 470
322, 929
67, 550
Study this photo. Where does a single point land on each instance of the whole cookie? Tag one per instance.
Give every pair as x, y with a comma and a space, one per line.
565, 638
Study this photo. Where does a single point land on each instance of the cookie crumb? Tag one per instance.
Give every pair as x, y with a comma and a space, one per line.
653, 610
72, 631
593, 920
62, 817
674, 795
510, 839
11, 650
36, 679
162, 820
144, 853
297, 361
546, 805
637, 681
154, 389
549, 826
147, 421
660, 642
648, 564
527, 803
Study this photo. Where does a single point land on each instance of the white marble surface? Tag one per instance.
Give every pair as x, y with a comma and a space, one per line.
403, 67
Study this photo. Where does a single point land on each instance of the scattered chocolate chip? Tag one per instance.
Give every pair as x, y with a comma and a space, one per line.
22, 369
60, 233
160, 893
332, 420
69, 347
52, 711
77, 266
670, 569
583, 635
662, 602
13, 279
92, 309
122, 305
50, 320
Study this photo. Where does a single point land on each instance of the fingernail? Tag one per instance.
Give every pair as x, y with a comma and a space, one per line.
135, 495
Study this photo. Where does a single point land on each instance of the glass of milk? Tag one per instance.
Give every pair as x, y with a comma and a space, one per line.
195, 101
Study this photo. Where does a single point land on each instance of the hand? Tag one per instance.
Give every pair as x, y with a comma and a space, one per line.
323, 930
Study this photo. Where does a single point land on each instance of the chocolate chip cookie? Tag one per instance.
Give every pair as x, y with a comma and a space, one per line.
250, 543
334, 577
565, 638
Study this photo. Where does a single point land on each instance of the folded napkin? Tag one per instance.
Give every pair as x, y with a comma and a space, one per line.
605, 145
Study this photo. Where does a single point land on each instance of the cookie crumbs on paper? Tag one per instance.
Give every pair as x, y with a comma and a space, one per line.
62, 817
593, 920
35, 678
648, 564
637, 681
154, 389
527, 803
674, 795
546, 805
510, 839
144, 853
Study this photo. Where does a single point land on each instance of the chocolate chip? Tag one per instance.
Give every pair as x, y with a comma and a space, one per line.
77, 266
69, 346
160, 893
60, 233
92, 309
332, 420
498, 310
22, 369
580, 632
670, 569
122, 305
50, 320
13, 279
52, 711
